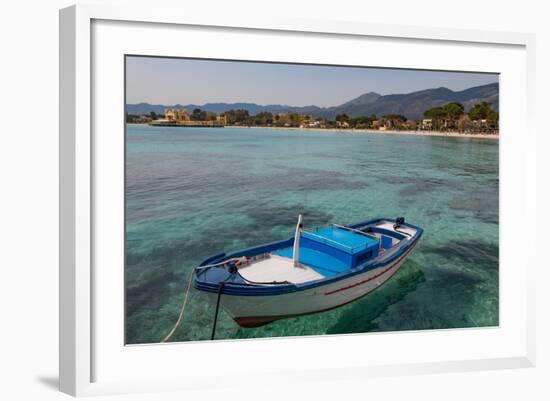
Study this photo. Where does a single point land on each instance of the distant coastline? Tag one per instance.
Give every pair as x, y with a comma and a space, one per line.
450, 119
450, 134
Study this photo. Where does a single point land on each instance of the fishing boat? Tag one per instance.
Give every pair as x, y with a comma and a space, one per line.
314, 271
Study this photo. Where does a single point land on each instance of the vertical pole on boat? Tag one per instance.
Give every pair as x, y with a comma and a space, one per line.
296, 249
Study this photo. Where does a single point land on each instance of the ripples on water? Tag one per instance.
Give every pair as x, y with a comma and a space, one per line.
193, 192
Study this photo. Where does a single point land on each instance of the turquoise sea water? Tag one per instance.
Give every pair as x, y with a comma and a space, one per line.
193, 192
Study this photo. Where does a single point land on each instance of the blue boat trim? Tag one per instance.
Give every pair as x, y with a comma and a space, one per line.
256, 321
236, 285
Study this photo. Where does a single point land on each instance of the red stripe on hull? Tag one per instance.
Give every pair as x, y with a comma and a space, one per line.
258, 321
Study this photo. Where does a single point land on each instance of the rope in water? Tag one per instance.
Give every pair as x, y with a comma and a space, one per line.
167, 337
220, 289
184, 303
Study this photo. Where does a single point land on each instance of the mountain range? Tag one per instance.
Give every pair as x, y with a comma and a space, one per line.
411, 105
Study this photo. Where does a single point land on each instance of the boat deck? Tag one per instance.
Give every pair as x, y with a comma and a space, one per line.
389, 226
321, 254
278, 268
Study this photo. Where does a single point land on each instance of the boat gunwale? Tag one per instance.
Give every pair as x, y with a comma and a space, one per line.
248, 289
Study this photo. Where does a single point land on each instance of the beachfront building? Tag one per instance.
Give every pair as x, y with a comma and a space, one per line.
427, 123
176, 115
376, 124
342, 124
181, 118
382, 125
314, 124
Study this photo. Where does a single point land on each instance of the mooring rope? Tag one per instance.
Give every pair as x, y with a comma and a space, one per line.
220, 289
167, 337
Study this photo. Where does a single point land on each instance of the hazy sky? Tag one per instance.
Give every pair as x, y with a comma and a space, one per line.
169, 81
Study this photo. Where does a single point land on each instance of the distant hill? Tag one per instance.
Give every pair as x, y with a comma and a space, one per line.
411, 105
253, 108
355, 107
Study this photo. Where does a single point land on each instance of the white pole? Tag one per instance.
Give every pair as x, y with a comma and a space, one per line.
296, 250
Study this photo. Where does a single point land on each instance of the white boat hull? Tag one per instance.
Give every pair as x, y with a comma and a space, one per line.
253, 311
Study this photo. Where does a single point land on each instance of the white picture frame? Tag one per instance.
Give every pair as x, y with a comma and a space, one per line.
83, 344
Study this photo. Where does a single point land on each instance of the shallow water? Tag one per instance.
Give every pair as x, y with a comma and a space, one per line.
193, 192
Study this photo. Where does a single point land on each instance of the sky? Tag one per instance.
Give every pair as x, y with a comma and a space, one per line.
171, 81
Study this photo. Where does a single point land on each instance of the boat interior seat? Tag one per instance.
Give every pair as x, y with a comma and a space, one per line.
321, 262
386, 242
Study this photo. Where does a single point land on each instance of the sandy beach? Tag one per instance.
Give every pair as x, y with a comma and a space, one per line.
371, 131
381, 132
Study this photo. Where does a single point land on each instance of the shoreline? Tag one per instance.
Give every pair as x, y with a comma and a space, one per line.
450, 134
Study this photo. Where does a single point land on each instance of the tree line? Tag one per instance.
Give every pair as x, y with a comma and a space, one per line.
290, 119
480, 117
449, 117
